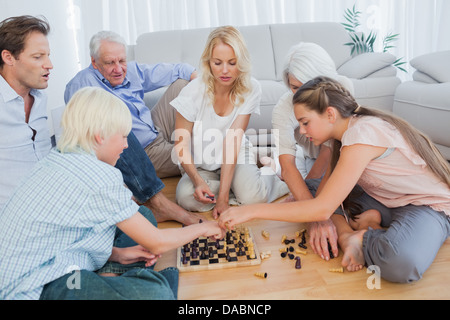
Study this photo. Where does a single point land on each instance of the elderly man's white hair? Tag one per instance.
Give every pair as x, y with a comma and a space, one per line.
98, 38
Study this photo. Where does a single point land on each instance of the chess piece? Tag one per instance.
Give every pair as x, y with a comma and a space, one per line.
298, 263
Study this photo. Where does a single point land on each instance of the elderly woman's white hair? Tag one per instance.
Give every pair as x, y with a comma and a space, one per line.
306, 61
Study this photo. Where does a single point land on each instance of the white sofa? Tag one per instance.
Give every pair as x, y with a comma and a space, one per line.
374, 78
425, 101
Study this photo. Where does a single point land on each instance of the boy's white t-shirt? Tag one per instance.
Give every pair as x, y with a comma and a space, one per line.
210, 129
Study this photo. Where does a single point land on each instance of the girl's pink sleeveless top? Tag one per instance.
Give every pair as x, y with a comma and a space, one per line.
399, 177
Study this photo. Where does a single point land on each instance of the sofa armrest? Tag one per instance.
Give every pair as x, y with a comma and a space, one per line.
366, 64
435, 65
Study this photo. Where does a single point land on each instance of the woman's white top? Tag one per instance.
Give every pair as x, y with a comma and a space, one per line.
210, 129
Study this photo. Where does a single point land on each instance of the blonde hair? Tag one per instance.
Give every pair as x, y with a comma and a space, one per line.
322, 92
306, 61
90, 112
232, 37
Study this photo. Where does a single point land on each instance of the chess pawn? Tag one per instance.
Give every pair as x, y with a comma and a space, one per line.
261, 274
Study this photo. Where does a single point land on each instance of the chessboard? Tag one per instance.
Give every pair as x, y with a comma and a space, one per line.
236, 249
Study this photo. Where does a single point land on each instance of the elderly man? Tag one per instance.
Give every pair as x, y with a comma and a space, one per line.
129, 81
148, 156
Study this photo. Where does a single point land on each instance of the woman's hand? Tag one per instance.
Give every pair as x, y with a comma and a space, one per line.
221, 206
203, 194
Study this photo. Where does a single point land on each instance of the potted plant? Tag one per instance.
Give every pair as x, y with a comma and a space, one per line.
362, 43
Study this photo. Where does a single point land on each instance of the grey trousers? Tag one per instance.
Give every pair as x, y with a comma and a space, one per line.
409, 242
163, 115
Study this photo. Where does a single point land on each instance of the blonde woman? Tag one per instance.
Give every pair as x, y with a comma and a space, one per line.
213, 112
402, 175
72, 225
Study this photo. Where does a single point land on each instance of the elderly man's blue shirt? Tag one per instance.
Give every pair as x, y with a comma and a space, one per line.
140, 78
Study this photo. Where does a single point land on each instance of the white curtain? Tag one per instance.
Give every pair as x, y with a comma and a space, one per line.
423, 25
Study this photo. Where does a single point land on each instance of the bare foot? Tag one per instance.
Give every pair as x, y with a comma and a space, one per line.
351, 245
370, 218
165, 210
268, 162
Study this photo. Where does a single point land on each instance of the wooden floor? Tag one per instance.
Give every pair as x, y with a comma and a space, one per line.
312, 281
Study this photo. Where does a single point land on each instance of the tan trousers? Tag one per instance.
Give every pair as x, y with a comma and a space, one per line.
163, 115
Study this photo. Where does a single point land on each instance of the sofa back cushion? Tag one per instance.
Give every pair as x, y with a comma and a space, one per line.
188, 45
268, 45
329, 35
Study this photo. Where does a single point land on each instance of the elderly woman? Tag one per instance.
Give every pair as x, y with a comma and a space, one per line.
296, 157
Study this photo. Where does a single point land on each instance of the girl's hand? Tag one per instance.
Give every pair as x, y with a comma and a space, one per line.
234, 216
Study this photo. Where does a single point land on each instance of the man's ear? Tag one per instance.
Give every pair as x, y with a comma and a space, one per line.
94, 64
7, 57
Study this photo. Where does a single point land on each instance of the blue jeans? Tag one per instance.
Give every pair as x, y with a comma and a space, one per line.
138, 171
136, 282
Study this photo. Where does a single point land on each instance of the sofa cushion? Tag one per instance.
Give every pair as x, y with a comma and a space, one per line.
329, 35
365, 64
436, 65
376, 92
426, 107
423, 77
188, 45
272, 91
259, 44
171, 46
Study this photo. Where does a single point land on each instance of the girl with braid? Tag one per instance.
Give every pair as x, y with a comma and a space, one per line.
389, 178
